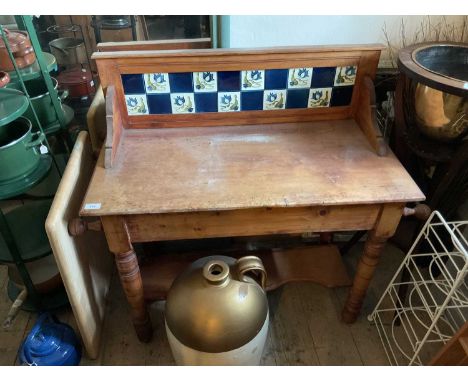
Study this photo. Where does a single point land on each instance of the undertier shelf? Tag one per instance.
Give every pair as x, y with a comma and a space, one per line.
320, 263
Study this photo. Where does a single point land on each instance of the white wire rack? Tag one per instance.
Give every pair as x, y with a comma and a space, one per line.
421, 311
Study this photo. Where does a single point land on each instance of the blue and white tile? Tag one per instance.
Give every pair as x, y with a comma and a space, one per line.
300, 78
319, 97
229, 101
345, 75
181, 82
205, 82
274, 99
253, 79
136, 104
182, 103
157, 83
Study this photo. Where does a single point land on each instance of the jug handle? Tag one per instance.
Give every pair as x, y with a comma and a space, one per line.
251, 263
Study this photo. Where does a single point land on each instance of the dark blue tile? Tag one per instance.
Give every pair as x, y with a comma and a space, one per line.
133, 83
276, 78
229, 81
181, 82
206, 102
252, 100
341, 95
323, 77
297, 98
159, 103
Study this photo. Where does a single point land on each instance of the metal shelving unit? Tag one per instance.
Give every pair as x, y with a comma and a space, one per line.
414, 326
28, 248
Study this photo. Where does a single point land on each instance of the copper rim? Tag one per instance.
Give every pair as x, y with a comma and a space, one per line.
413, 70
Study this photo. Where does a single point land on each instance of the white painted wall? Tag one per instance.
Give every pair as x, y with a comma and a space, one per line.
265, 31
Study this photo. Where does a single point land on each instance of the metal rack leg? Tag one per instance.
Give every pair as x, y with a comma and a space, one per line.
12, 247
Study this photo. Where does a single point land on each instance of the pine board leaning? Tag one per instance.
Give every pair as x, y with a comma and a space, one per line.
84, 262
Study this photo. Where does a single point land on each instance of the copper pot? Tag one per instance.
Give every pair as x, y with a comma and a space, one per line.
4, 79
79, 82
21, 49
436, 97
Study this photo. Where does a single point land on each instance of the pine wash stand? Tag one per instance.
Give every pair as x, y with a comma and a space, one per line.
235, 142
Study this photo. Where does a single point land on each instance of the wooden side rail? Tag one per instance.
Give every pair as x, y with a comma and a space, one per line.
365, 116
114, 128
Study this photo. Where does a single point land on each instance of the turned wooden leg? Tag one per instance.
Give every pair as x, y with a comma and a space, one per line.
129, 272
385, 227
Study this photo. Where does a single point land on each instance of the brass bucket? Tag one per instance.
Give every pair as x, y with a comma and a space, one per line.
437, 95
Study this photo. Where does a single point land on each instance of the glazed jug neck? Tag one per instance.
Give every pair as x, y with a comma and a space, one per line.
216, 272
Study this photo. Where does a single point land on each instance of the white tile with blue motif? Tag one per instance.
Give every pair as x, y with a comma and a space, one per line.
253, 80
157, 83
229, 101
319, 97
243, 90
136, 104
205, 82
299, 78
182, 103
345, 75
274, 100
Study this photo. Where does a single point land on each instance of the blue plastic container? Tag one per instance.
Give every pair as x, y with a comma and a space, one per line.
50, 343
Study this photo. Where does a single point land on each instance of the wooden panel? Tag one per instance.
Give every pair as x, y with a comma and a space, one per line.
84, 262
241, 117
263, 221
219, 168
96, 121
192, 43
174, 61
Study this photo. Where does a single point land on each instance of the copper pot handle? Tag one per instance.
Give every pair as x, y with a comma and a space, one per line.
23, 51
251, 264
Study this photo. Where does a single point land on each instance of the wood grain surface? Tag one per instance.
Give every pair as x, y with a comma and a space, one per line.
84, 261
225, 168
190, 43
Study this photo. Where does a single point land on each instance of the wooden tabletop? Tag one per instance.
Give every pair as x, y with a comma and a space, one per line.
235, 167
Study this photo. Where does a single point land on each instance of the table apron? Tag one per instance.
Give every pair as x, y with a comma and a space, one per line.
249, 222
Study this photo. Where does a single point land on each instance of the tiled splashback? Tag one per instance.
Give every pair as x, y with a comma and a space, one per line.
232, 91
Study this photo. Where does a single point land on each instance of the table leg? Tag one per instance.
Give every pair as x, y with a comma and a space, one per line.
384, 228
119, 243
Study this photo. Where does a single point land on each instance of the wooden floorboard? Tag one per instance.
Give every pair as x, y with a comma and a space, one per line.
305, 325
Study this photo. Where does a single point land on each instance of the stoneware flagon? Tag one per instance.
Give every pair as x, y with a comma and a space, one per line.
217, 312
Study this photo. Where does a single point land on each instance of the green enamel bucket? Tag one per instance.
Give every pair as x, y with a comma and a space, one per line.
41, 101
19, 150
